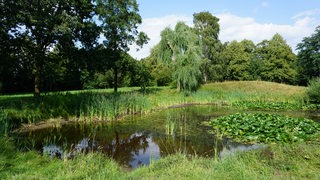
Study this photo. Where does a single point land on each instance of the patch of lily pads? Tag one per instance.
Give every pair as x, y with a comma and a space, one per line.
266, 128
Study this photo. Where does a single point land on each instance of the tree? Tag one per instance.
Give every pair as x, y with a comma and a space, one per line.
277, 60
239, 56
309, 57
181, 48
119, 23
207, 28
39, 25
161, 72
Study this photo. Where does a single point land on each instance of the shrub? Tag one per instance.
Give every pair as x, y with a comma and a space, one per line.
313, 91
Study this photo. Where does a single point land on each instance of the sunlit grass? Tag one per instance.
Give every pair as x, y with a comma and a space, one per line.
282, 161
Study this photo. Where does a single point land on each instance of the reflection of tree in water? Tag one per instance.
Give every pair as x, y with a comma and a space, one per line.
179, 144
124, 146
188, 136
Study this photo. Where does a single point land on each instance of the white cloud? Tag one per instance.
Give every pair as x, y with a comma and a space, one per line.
233, 27
153, 27
308, 13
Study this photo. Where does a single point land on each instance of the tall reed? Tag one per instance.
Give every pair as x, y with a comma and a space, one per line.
4, 123
111, 106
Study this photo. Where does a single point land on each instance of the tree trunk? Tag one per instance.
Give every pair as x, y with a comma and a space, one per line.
37, 82
115, 86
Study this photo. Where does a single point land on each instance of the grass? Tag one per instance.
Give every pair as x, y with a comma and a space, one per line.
284, 161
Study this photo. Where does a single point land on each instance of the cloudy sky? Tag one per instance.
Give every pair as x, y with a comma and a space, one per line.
255, 20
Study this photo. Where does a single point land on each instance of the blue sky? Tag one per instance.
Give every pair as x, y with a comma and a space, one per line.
239, 19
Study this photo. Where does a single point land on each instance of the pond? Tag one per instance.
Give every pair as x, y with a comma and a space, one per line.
138, 140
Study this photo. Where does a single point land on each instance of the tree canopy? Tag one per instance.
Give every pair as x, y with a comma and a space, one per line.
69, 44
239, 56
120, 20
181, 48
309, 57
277, 60
207, 28
34, 29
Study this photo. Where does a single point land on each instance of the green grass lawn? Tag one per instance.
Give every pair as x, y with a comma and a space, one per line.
278, 161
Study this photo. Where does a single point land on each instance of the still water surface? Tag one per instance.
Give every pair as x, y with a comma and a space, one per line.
138, 140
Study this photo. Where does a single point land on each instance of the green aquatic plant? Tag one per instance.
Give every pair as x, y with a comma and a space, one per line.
266, 128
170, 124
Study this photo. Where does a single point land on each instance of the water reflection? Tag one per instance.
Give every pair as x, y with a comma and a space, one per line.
138, 140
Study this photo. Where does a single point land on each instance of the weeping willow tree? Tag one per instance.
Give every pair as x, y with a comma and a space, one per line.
181, 48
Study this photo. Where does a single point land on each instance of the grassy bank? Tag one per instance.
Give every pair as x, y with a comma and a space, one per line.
297, 161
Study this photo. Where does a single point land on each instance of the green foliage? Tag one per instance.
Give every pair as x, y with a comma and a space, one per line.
207, 28
119, 24
313, 91
37, 26
277, 60
181, 48
99, 80
239, 57
309, 57
162, 74
266, 128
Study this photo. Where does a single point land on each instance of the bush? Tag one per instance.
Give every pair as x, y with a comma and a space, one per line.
313, 91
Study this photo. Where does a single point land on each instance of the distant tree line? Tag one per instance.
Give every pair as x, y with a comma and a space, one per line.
53, 45
270, 60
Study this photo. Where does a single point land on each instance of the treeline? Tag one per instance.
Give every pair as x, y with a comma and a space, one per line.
270, 60
55, 46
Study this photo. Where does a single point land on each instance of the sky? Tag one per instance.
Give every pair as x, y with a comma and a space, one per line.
254, 20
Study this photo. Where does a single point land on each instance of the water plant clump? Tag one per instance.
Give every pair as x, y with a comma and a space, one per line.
266, 128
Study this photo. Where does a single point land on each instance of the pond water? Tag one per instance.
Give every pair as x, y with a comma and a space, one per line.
139, 140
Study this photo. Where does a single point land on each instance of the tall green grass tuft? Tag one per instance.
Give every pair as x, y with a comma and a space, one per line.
84, 106
111, 106
4, 123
